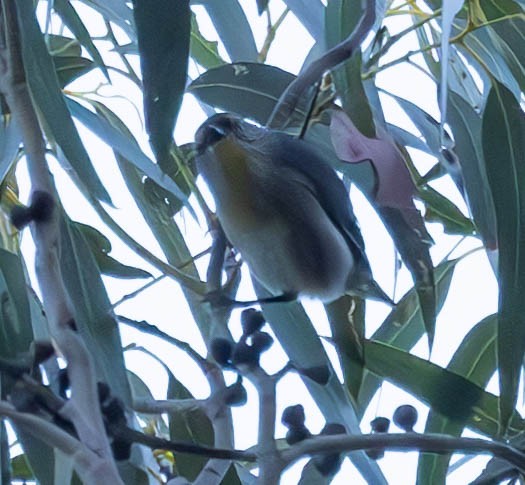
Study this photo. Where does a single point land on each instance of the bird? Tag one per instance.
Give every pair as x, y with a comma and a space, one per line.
285, 210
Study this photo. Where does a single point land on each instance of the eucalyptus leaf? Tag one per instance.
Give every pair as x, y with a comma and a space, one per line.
72, 20
163, 32
466, 124
474, 359
504, 152
46, 93
447, 393
231, 24
404, 326
298, 337
311, 14
126, 146
248, 89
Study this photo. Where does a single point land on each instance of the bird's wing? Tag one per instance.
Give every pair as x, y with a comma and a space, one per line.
322, 180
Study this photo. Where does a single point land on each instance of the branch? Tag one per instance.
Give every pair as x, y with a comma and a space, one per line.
335, 56
90, 467
46, 235
433, 443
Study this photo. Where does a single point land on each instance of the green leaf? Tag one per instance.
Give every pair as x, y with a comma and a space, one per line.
481, 43
70, 68
92, 309
442, 210
504, 151
247, 89
115, 11
404, 327
302, 344
342, 17
163, 32
446, 392
507, 28
347, 324
20, 468
231, 24
46, 93
10, 139
100, 248
311, 14
474, 359
190, 426
73, 22
466, 126
261, 6
203, 51
407, 229
125, 145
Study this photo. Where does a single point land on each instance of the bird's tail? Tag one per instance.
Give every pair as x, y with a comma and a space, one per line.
367, 287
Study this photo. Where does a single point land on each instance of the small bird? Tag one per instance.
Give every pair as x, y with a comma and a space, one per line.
285, 210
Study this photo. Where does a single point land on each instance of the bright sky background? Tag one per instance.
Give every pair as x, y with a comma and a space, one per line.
473, 293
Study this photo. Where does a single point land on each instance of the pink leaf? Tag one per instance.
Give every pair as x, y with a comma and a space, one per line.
395, 187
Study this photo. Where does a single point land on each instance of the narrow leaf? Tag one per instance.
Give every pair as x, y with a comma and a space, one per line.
504, 150
404, 327
127, 147
231, 24
163, 32
71, 19
466, 125
450, 9
446, 392
474, 359
46, 93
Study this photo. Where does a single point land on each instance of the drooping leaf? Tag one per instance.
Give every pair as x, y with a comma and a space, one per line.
204, 52
101, 247
481, 44
474, 359
189, 426
392, 199
466, 124
261, 6
126, 146
311, 14
72, 20
507, 26
504, 152
163, 32
231, 24
342, 17
404, 326
449, 11
300, 341
46, 93
347, 324
247, 89
440, 209
92, 309
448, 393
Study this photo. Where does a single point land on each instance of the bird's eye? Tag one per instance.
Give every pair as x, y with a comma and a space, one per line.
208, 135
